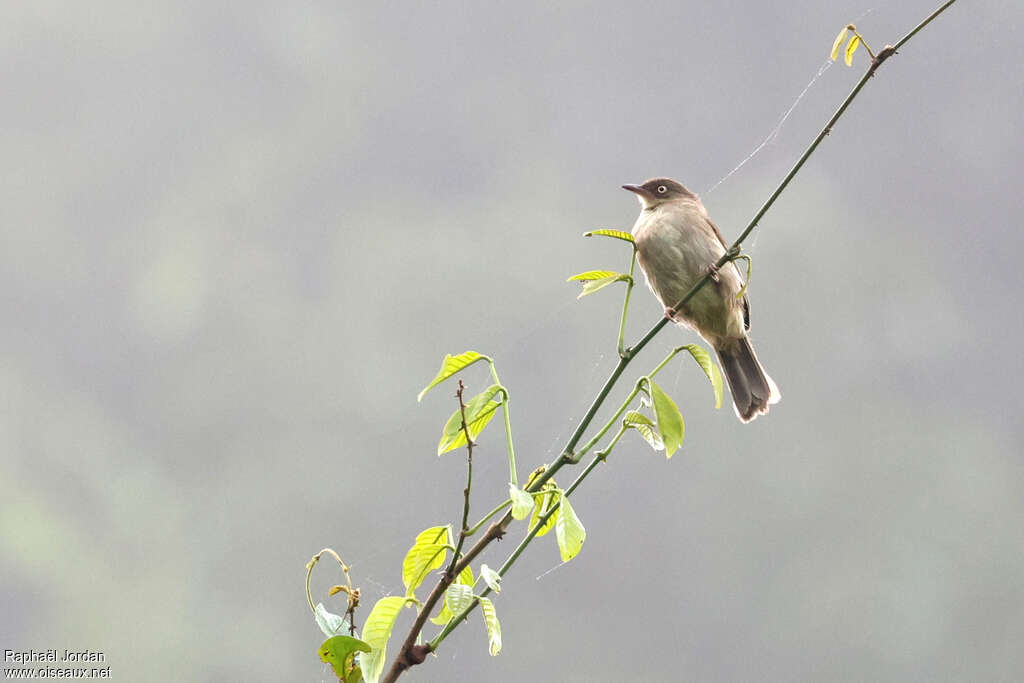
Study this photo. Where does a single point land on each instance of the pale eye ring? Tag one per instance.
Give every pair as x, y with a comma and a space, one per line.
662, 189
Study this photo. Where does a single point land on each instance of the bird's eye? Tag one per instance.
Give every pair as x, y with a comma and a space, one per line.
662, 189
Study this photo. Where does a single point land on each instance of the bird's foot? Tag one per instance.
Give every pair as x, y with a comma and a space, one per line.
670, 313
713, 271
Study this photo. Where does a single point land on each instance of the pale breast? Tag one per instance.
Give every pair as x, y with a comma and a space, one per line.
675, 245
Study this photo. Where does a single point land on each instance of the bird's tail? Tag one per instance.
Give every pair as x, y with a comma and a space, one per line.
752, 389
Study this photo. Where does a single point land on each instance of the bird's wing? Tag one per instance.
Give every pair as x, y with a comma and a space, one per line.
746, 300
718, 233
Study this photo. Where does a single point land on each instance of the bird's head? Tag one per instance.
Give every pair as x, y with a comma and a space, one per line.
658, 191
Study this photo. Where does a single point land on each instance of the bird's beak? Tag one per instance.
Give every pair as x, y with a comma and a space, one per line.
636, 189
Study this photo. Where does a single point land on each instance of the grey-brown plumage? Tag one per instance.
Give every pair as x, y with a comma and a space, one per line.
676, 245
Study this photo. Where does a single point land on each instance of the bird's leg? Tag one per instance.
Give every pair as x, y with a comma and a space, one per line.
713, 271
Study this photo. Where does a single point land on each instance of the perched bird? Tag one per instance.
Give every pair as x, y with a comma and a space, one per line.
677, 244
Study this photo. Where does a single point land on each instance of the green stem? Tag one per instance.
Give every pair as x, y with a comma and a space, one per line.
865, 44
625, 404
920, 26
625, 305
513, 477
608, 425
598, 458
664, 362
476, 527
567, 455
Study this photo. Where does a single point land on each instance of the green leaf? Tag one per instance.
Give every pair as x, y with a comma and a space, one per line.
339, 652
593, 275
569, 531
851, 47
703, 359
458, 597
544, 503
522, 502
449, 366
452, 436
331, 624
634, 418
591, 286
376, 632
445, 615
839, 41
491, 578
670, 420
493, 627
426, 554
479, 411
478, 403
642, 424
617, 234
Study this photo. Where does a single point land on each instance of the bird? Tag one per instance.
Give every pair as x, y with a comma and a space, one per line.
677, 245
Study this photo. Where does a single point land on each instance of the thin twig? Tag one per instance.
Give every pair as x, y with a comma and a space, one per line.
352, 593
464, 529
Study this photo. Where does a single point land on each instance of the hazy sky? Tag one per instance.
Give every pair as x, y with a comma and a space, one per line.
237, 239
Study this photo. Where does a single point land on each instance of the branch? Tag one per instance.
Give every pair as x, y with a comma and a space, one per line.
411, 654
464, 529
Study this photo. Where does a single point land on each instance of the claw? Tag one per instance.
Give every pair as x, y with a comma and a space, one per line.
670, 313
713, 270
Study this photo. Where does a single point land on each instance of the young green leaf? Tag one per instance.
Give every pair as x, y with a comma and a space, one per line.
670, 420
591, 286
478, 403
453, 436
703, 359
522, 502
331, 624
544, 503
479, 411
593, 275
642, 424
449, 366
493, 627
839, 41
617, 234
445, 615
427, 553
569, 531
491, 578
458, 597
851, 47
339, 652
376, 632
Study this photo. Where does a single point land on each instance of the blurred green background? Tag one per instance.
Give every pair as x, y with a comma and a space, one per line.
237, 239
